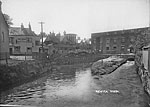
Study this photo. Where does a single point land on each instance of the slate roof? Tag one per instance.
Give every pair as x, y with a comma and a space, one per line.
51, 39
119, 32
18, 31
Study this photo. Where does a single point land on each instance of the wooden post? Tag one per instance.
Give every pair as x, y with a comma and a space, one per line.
6, 59
149, 60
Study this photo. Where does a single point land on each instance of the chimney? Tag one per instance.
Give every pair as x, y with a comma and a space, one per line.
30, 27
22, 27
64, 32
0, 6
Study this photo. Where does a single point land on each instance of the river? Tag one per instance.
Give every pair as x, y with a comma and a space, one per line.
65, 89
72, 86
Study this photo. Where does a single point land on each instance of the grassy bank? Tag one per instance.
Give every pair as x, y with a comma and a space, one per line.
17, 74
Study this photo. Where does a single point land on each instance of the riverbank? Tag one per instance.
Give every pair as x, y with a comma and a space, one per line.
121, 88
20, 72
106, 66
143, 73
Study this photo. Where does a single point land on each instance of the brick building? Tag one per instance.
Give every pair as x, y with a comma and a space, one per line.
4, 36
115, 42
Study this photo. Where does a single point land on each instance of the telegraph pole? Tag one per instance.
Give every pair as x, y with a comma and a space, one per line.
149, 11
42, 33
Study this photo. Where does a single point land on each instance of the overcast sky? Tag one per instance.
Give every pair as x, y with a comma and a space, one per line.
82, 17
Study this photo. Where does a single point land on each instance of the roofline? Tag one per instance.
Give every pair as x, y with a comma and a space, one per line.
23, 35
34, 34
71, 33
120, 30
4, 19
18, 27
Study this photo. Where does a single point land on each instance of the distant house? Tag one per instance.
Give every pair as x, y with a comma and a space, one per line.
60, 43
23, 41
115, 42
51, 39
69, 38
4, 36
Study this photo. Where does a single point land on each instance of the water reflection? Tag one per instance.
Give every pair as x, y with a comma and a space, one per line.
79, 89
72, 84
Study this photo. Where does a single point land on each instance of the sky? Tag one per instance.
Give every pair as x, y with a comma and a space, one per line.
81, 17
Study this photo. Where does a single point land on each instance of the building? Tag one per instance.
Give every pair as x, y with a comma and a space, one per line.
52, 39
23, 41
4, 36
115, 42
69, 38
60, 43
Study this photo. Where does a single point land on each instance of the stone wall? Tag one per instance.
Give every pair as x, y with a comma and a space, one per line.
142, 72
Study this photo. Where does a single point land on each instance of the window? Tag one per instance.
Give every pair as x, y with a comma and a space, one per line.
17, 48
122, 47
94, 41
115, 33
3, 38
37, 43
29, 39
107, 48
114, 47
11, 40
115, 40
100, 40
107, 41
122, 39
29, 49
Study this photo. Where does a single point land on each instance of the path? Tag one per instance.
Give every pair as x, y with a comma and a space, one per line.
122, 88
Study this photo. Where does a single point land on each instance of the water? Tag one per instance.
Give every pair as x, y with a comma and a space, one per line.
75, 87
58, 87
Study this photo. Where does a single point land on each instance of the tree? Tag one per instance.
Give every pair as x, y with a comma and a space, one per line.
8, 19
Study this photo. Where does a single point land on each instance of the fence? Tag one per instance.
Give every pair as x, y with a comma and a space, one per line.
39, 56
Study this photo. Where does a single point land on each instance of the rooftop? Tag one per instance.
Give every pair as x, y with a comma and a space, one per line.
21, 31
136, 30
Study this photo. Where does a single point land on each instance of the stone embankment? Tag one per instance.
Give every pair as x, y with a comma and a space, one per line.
143, 73
106, 66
